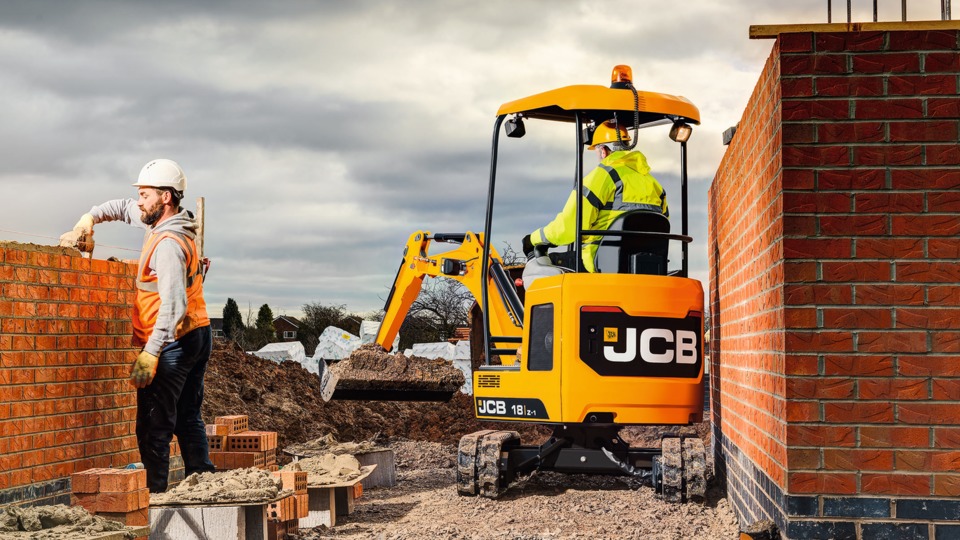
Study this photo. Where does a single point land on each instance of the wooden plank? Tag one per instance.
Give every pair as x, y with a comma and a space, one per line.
769, 31
322, 506
364, 472
344, 498
385, 474
199, 216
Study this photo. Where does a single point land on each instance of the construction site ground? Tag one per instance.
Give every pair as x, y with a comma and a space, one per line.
424, 503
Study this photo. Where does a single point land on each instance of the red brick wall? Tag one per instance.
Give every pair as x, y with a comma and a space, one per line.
835, 290
65, 352
747, 273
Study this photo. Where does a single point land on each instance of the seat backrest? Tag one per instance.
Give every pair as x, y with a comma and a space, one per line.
630, 254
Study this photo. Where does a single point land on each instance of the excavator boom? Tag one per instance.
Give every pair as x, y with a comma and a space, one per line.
462, 264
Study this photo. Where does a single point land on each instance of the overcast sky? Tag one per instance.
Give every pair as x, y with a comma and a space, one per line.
321, 134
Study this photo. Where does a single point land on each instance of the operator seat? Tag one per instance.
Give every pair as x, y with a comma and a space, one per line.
633, 254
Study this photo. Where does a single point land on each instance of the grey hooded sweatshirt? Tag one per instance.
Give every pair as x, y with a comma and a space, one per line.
169, 264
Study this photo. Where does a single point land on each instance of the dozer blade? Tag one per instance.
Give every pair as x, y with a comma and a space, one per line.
373, 375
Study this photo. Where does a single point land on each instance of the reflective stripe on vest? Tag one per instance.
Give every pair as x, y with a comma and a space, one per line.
617, 204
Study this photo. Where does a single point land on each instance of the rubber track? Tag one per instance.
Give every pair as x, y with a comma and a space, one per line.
694, 469
467, 462
672, 462
488, 462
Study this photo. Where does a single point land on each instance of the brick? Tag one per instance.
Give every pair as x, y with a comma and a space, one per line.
887, 155
855, 271
851, 179
802, 271
818, 341
889, 294
252, 441
235, 423
940, 510
217, 430
815, 156
888, 389
945, 342
855, 459
817, 202
820, 64
797, 179
820, 435
814, 109
822, 483
800, 318
928, 318
857, 507
87, 481
922, 40
799, 225
803, 458
795, 42
946, 485
895, 530
927, 460
943, 201
869, 109
283, 510
133, 518
943, 107
857, 318
810, 248
793, 133
858, 365
888, 202
295, 481
946, 390
941, 62
907, 85
123, 480
123, 501
854, 225
928, 413
942, 154
925, 366
849, 86
892, 342
798, 87
803, 411
932, 130
884, 248
894, 484
927, 272
908, 62
850, 132
854, 412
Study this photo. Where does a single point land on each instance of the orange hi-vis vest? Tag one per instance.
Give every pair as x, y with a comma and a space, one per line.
147, 305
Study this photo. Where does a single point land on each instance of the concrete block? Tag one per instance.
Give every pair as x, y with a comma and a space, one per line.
208, 522
385, 474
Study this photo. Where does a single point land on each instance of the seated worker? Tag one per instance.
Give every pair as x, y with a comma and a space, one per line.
620, 183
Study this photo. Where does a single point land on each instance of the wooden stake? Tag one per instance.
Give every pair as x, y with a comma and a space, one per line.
199, 239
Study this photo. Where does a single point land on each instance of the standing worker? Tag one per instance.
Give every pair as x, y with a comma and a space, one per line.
620, 183
170, 321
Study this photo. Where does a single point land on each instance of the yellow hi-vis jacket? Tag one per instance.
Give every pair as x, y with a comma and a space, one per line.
622, 182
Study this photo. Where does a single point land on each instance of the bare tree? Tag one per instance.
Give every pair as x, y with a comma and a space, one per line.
444, 305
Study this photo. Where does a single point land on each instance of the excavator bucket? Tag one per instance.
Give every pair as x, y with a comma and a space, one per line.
372, 374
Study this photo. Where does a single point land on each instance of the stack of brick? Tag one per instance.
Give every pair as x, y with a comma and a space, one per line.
115, 494
176, 474
284, 515
233, 446
65, 353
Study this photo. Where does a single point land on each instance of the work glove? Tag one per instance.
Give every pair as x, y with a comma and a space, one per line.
527, 247
81, 237
144, 369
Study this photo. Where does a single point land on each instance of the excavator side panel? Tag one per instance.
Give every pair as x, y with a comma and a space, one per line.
624, 349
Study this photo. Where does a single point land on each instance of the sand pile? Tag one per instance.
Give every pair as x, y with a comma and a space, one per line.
234, 486
327, 469
329, 445
55, 522
370, 367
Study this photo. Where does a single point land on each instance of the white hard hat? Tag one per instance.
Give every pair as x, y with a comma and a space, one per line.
162, 173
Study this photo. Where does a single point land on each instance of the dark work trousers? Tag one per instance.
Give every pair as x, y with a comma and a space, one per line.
171, 405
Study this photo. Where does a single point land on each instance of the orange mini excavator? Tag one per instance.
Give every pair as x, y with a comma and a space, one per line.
586, 352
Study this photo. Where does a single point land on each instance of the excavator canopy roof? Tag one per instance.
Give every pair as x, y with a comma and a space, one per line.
599, 102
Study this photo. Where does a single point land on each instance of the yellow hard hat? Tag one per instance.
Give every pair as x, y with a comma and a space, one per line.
607, 133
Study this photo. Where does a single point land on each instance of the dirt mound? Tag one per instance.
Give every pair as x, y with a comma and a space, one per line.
286, 398
54, 522
237, 485
327, 469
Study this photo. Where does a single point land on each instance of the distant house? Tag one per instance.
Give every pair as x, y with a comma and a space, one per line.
286, 327
216, 326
